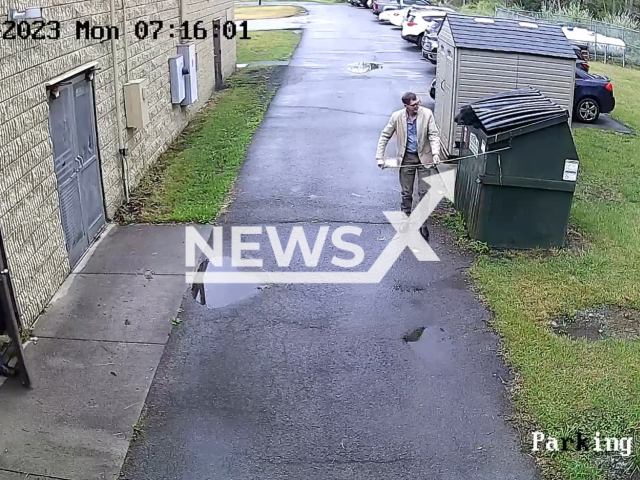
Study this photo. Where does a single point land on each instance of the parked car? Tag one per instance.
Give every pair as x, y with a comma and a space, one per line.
398, 17
394, 17
416, 25
581, 63
582, 49
593, 95
380, 6
421, 8
429, 47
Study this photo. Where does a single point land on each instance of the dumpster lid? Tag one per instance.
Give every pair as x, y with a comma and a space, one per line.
511, 110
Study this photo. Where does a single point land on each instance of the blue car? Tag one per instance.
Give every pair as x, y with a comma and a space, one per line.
593, 95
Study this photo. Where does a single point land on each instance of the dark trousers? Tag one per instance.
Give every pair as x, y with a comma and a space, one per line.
408, 179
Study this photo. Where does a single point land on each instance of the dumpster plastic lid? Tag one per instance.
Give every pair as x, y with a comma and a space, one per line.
510, 110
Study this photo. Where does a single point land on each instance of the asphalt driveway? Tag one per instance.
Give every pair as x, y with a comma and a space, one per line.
313, 381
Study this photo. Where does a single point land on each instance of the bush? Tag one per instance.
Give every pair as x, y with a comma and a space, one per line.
483, 7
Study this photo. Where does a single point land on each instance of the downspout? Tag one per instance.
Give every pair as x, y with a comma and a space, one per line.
116, 86
126, 43
183, 17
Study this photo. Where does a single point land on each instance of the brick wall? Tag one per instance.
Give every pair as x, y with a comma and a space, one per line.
30, 220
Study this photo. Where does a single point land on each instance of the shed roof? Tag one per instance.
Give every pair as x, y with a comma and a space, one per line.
513, 36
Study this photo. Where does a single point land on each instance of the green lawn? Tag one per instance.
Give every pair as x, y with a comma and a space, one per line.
192, 182
577, 385
270, 45
257, 12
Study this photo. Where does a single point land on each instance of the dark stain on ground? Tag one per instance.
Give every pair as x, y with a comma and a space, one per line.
408, 288
413, 336
600, 324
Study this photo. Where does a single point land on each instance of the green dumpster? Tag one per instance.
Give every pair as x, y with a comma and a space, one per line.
517, 170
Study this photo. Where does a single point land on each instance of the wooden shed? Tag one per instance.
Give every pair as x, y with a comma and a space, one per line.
482, 56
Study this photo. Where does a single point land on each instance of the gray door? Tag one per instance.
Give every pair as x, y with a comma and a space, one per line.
75, 151
217, 52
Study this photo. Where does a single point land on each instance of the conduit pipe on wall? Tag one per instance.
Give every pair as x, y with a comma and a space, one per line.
183, 17
116, 86
124, 37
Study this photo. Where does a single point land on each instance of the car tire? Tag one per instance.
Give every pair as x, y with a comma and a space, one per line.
419, 40
587, 110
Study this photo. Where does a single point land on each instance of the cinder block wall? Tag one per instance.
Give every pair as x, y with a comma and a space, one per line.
30, 220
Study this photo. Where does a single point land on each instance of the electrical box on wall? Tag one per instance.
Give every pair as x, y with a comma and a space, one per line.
136, 103
176, 66
188, 52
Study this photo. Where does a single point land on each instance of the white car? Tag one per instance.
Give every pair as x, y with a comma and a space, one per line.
398, 17
395, 17
413, 28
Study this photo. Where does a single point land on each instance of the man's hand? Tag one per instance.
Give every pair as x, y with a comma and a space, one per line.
380, 163
436, 159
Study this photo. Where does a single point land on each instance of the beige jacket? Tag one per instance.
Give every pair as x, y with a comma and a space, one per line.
426, 128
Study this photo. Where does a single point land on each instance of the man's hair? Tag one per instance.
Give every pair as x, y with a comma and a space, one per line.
408, 97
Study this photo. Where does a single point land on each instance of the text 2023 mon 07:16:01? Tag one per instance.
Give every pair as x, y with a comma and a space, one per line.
189, 31
51, 30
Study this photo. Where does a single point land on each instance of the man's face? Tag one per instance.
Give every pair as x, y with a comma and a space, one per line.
412, 106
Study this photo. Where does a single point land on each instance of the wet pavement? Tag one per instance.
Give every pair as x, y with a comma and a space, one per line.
93, 357
605, 122
331, 381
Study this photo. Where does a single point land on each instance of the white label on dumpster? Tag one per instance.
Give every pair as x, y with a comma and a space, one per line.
570, 170
473, 144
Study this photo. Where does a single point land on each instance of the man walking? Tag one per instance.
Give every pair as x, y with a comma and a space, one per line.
418, 146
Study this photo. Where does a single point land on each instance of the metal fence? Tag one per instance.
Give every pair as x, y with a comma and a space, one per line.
599, 48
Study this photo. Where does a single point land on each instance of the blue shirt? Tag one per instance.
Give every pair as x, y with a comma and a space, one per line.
412, 136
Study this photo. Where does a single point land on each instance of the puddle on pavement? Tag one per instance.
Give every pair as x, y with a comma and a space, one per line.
414, 335
363, 67
430, 344
218, 295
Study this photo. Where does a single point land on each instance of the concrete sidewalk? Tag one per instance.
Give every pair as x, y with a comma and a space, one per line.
98, 345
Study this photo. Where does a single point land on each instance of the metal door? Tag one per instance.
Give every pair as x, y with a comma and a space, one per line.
73, 132
217, 53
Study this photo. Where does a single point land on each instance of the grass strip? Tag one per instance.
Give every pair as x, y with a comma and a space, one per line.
269, 45
193, 180
261, 12
569, 385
